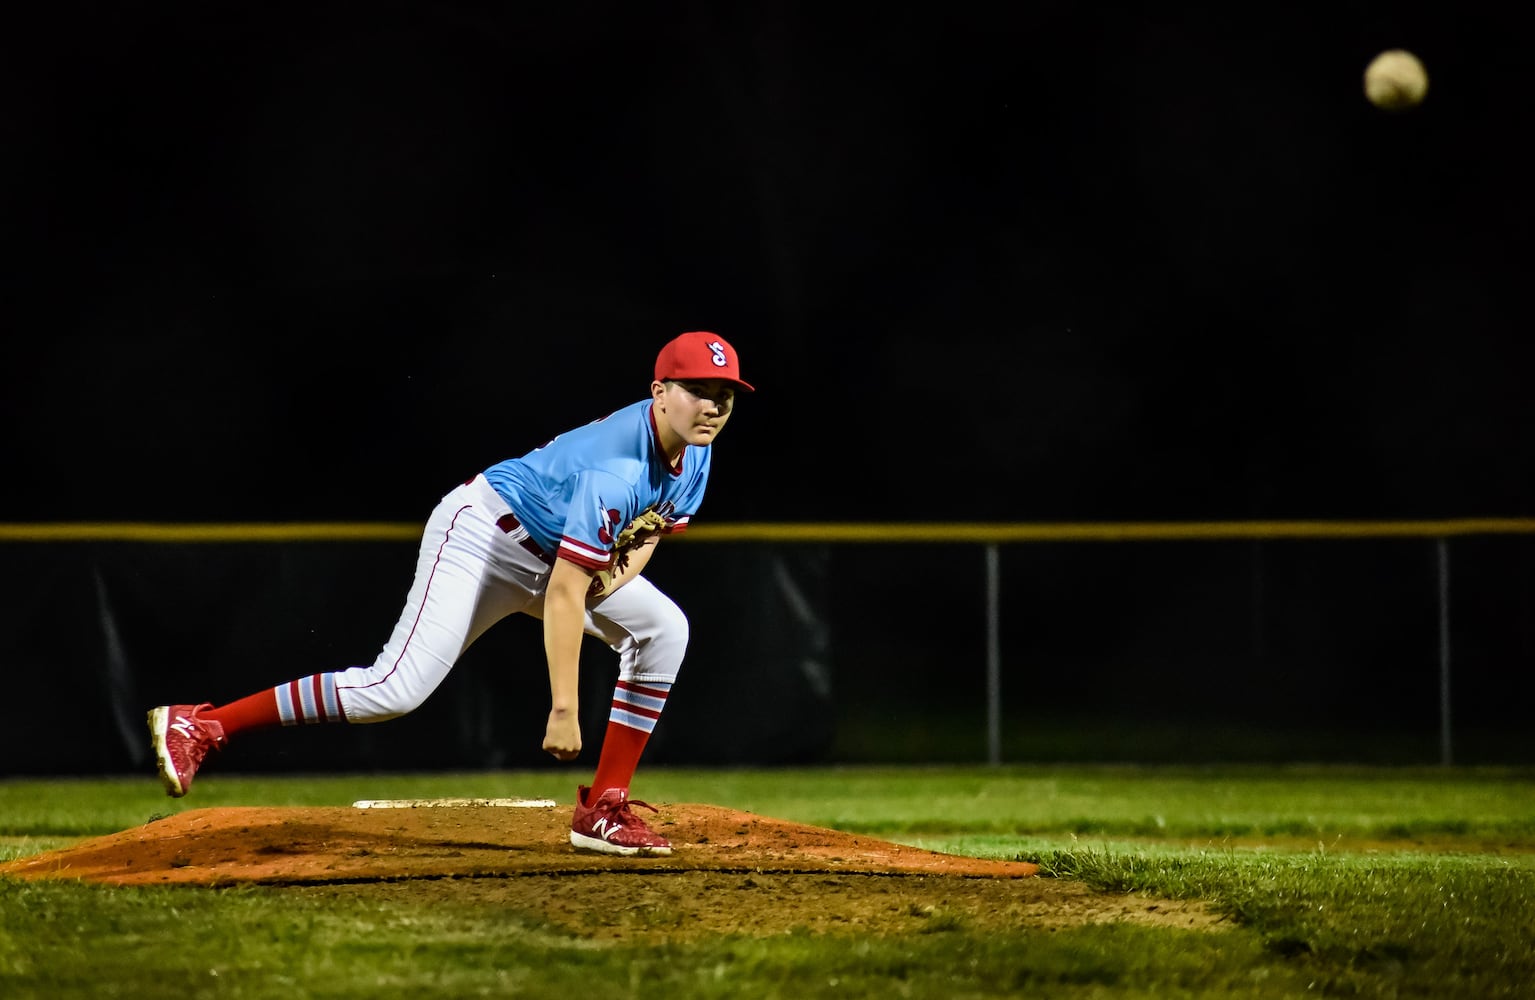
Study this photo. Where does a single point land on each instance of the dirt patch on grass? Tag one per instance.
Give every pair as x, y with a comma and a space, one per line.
729, 873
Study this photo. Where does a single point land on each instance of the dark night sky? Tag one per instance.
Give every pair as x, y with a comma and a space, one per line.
1033, 261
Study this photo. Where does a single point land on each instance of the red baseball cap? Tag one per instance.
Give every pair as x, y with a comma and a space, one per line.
700, 355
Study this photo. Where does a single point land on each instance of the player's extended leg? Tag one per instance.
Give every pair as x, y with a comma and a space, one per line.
469, 575
650, 634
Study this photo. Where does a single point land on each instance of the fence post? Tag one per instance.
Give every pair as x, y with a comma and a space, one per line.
993, 657
1445, 756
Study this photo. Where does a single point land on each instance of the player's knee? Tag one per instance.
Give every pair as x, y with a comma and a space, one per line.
365, 711
394, 685
380, 703
674, 625
660, 652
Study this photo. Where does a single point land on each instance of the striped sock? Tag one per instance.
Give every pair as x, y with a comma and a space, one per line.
309, 700
636, 707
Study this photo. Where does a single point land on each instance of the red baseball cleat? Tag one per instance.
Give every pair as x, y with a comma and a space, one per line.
608, 825
181, 741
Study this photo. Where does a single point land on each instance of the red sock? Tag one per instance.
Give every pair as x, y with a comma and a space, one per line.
621, 749
257, 711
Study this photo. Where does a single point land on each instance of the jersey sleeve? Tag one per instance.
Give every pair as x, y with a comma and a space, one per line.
679, 512
690, 495
600, 505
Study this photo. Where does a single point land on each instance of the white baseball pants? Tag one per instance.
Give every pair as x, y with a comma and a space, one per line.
474, 570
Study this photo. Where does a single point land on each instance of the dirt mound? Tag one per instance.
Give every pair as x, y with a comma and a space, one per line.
730, 872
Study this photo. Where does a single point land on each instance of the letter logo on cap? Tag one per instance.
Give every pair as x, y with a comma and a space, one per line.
718, 350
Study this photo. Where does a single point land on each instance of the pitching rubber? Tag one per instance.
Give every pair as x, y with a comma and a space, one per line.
453, 803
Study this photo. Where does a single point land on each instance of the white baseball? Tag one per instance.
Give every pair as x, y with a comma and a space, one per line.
1395, 80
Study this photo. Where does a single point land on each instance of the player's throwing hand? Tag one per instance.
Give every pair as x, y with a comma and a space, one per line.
562, 737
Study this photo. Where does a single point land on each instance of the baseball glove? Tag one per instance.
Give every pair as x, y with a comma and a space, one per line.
635, 534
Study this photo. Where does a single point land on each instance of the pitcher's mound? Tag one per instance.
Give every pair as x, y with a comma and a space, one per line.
342, 844
729, 872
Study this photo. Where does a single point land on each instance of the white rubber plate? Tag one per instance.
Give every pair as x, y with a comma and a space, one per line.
453, 803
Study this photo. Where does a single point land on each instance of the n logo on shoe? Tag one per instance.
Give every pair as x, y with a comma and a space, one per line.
183, 725
606, 829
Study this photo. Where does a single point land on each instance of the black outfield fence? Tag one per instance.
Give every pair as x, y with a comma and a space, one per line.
1377, 642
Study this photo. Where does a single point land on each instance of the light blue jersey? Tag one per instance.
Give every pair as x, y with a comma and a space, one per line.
576, 493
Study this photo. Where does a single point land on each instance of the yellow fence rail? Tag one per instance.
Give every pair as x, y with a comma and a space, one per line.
810, 531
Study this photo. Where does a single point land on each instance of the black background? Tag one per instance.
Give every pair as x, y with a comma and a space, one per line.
1022, 262
1014, 262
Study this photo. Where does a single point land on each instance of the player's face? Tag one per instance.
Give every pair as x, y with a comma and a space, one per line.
696, 410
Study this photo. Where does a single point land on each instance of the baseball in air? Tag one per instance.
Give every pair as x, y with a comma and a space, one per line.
1395, 80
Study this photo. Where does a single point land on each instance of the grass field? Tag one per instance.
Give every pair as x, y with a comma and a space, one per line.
1334, 881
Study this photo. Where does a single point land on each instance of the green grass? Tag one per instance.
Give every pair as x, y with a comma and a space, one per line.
1337, 881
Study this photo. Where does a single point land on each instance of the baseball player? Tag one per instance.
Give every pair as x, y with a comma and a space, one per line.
563, 534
